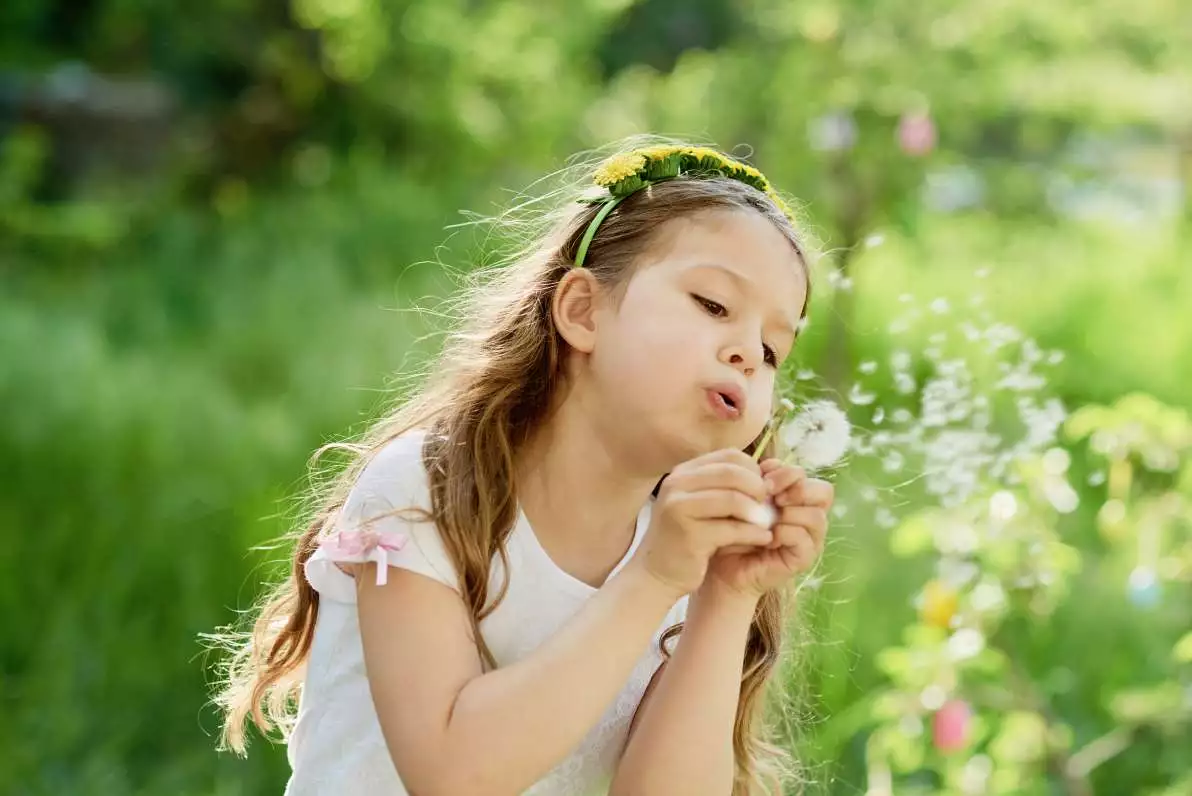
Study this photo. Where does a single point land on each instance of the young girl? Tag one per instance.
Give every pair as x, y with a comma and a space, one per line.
495, 598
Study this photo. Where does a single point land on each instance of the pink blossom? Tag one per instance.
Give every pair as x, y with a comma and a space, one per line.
950, 726
916, 134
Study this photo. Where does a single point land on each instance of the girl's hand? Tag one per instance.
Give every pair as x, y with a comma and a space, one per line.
802, 506
712, 501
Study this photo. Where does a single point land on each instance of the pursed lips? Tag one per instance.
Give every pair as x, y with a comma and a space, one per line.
728, 399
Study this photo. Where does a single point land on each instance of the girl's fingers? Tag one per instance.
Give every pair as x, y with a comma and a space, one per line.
793, 536
807, 492
780, 477
801, 521
740, 549
794, 559
744, 535
717, 504
723, 475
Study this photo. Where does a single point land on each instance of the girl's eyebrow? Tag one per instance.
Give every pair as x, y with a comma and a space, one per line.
742, 281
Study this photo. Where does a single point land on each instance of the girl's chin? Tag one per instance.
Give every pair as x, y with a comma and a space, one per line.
698, 442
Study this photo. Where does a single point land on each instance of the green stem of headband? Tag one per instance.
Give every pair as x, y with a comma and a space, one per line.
582, 252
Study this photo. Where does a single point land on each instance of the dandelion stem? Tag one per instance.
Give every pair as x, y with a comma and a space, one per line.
785, 406
761, 446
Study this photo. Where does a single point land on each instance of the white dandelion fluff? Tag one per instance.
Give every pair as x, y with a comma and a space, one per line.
763, 515
817, 436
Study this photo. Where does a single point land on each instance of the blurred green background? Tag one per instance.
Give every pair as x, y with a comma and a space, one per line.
210, 215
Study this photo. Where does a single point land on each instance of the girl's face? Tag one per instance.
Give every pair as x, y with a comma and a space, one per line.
689, 356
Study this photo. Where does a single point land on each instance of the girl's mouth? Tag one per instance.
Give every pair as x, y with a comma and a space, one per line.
724, 404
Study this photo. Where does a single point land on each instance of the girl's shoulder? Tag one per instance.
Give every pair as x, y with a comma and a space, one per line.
396, 462
386, 518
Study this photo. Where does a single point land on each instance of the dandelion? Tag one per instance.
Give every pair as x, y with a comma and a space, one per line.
818, 436
618, 168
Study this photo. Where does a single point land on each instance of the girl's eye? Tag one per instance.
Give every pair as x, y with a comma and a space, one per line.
714, 308
718, 310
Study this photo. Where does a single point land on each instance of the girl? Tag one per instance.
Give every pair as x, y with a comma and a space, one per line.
484, 604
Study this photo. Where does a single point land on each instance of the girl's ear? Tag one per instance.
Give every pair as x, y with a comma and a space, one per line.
574, 307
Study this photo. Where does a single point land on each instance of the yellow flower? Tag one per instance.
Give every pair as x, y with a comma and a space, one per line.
618, 167
940, 602
639, 162
660, 152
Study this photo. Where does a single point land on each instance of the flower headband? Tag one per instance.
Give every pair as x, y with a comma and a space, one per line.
624, 175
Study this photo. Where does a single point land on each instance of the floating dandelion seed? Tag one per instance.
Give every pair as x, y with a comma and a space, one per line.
904, 383
857, 395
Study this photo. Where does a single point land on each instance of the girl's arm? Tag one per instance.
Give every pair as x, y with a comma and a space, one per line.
452, 729
682, 739
455, 731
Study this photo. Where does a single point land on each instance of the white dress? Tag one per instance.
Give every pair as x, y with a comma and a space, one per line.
336, 746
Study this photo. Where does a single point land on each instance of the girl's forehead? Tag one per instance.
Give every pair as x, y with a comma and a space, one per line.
740, 249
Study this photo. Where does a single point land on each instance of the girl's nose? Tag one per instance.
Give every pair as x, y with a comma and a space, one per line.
740, 359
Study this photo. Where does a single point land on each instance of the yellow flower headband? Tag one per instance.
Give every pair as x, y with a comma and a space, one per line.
626, 174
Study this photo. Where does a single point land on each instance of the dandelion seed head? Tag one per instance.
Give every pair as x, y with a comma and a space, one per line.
817, 436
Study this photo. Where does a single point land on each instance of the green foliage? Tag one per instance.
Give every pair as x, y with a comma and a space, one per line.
171, 352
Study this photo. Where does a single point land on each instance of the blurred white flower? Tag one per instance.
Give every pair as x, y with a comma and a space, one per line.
965, 643
817, 436
832, 132
1003, 506
933, 697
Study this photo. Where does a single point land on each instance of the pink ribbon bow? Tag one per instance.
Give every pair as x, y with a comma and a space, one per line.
357, 547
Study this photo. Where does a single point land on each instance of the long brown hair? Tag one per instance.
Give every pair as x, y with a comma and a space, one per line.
491, 386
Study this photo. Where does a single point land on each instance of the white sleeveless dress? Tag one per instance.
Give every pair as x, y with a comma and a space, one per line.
336, 746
